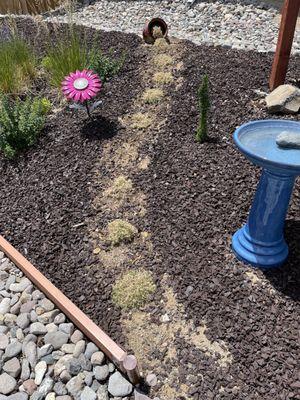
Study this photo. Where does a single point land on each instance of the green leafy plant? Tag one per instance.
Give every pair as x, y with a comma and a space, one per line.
204, 105
20, 123
106, 66
17, 64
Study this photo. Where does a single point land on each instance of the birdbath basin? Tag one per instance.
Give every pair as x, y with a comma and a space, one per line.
261, 241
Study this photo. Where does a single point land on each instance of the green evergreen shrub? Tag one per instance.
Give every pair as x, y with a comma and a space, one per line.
20, 123
203, 105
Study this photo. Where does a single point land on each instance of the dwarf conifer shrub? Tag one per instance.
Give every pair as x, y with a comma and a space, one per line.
203, 105
20, 123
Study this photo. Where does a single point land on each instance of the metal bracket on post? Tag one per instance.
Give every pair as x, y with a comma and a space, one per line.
288, 23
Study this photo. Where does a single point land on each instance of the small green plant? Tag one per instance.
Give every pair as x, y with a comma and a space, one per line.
106, 66
204, 105
133, 289
17, 65
20, 123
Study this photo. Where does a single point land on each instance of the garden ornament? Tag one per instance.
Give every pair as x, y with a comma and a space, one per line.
261, 241
154, 29
81, 87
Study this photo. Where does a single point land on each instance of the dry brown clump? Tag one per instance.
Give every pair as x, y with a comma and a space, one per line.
120, 231
163, 78
153, 96
140, 121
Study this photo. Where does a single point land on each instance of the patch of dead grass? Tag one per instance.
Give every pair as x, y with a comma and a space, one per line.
163, 78
133, 289
141, 121
144, 163
120, 188
152, 96
161, 43
120, 231
163, 60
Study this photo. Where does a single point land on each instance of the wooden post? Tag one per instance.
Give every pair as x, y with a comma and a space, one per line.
289, 16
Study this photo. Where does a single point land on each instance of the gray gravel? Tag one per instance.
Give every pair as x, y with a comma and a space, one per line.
242, 25
42, 354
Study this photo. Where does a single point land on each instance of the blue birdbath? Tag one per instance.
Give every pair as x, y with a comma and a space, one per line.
261, 242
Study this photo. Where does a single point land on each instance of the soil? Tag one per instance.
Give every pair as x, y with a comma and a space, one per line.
197, 197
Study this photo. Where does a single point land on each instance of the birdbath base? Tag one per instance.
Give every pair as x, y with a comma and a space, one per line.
261, 241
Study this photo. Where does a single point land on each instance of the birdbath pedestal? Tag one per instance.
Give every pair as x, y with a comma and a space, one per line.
261, 241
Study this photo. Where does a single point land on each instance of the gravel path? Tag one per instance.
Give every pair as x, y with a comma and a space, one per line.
250, 25
42, 354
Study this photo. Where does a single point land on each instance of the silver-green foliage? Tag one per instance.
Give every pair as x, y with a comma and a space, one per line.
20, 123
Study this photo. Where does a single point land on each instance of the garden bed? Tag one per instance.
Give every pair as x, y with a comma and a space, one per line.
214, 327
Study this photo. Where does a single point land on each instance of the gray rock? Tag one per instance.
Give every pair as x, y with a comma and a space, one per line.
68, 348
37, 295
23, 320
60, 389
151, 380
18, 396
88, 378
63, 398
97, 358
40, 370
52, 327
37, 328
21, 286
88, 394
74, 366
49, 360
59, 319
12, 350
95, 385
75, 386
47, 317
62, 364
288, 140
65, 376
12, 367
85, 363
118, 386
46, 304
101, 372
7, 383
79, 348
27, 307
30, 353
50, 396
57, 339
10, 320
5, 305
25, 372
3, 341
76, 336
67, 328
91, 348
44, 350
36, 396
46, 386
285, 99
140, 396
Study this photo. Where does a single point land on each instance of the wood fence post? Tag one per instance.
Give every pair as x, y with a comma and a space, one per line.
289, 16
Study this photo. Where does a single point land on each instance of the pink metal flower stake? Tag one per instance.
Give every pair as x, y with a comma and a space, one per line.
82, 86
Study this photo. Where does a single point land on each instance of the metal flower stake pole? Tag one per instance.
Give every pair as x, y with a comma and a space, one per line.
81, 87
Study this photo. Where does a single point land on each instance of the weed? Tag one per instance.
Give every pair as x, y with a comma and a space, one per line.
163, 78
105, 65
120, 231
163, 60
203, 104
120, 188
153, 96
17, 65
140, 121
20, 123
133, 289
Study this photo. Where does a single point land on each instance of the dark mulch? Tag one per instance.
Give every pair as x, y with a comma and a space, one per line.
198, 196
47, 190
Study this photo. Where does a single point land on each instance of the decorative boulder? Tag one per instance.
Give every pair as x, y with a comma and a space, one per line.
284, 99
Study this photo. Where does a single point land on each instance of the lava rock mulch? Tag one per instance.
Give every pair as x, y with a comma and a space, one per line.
203, 192
198, 196
43, 356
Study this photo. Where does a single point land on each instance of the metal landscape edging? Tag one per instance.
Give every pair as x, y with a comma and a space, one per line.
126, 363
